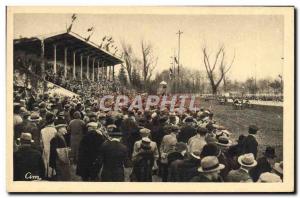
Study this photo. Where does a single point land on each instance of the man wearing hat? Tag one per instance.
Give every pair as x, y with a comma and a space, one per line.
47, 133
61, 164
268, 177
250, 143
223, 143
168, 144
143, 162
264, 164
31, 124
25, 169
67, 114
144, 132
187, 131
17, 117
184, 170
247, 162
88, 164
114, 157
209, 171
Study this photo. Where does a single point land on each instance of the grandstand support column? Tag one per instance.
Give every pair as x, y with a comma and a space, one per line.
113, 73
109, 73
66, 62
81, 67
105, 71
93, 70
74, 65
54, 57
102, 71
43, 58
98, 71
87, 67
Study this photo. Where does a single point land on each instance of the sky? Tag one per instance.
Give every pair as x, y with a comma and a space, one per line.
256, 40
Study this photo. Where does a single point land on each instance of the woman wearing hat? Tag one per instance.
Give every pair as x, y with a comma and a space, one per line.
60, 162
247, 162
209, 171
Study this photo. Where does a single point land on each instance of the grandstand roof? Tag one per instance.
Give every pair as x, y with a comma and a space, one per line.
72, 41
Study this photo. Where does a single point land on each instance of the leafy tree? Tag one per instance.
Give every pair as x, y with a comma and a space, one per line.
122, 76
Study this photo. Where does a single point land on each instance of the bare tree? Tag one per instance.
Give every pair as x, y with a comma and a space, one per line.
149, 62
219, 62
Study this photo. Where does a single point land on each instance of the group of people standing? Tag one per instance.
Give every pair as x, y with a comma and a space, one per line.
56, 136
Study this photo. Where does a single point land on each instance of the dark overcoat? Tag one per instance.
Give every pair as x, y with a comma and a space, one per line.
28, 160
250, 145
114, 157
88, 165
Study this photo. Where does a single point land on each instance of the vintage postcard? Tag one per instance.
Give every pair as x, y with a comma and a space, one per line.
150, 99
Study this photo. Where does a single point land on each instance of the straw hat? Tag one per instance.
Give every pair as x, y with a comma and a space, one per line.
60, 125
145, 131
92, 124
269, 178
224, 141
210, 164
34, 117
26, 137
247, 160
195, 154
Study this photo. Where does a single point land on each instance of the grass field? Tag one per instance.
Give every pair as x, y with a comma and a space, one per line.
269, 121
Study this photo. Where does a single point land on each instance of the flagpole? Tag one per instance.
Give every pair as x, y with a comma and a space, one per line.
179, 33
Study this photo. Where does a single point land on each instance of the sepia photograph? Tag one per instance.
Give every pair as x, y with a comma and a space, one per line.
150, 99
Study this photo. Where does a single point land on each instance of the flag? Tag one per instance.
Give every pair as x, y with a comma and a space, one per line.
74, 17
88, 38
107, 47
176, 61
90, 29
170, 73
